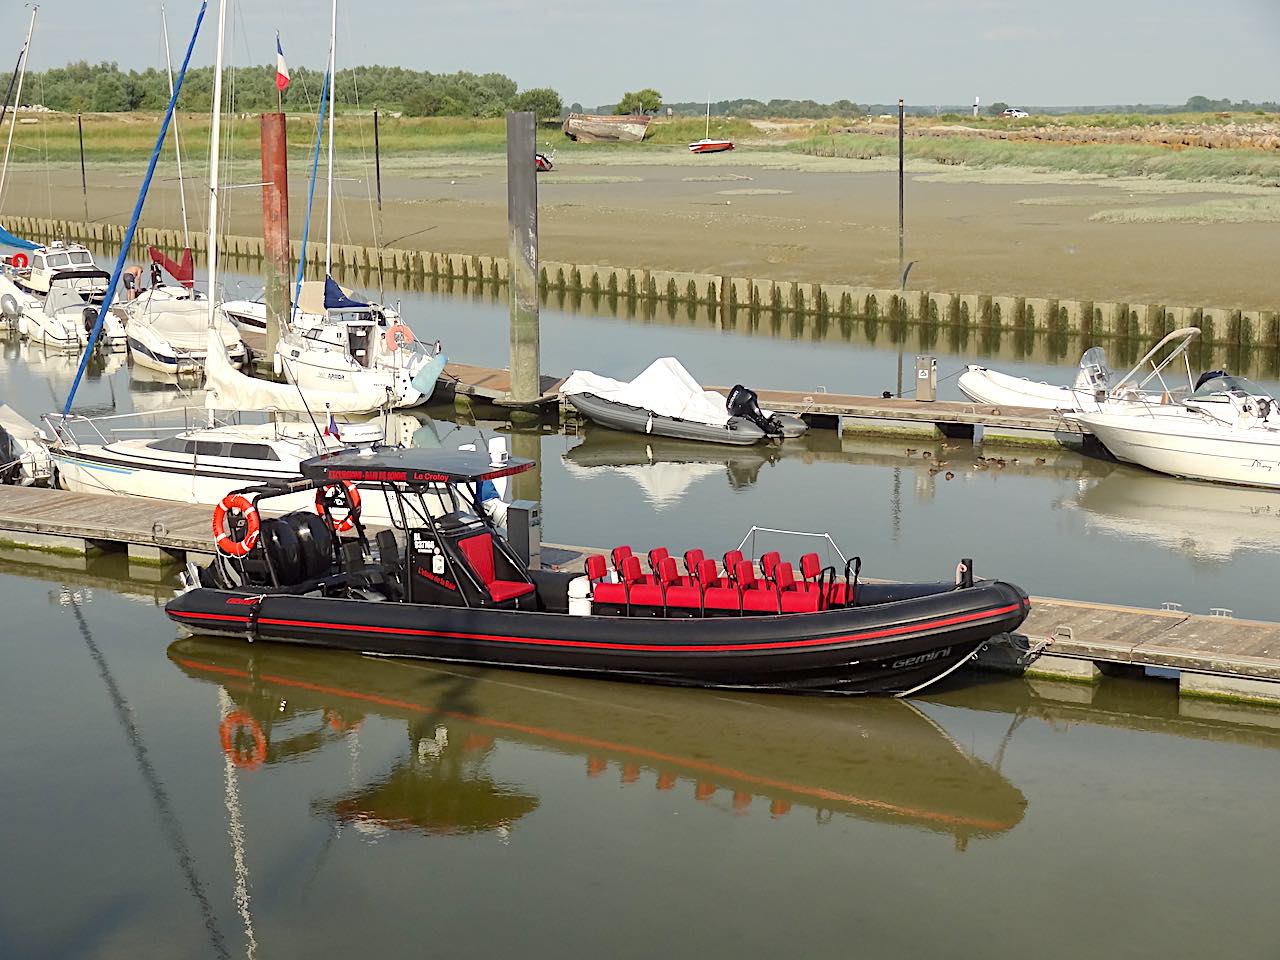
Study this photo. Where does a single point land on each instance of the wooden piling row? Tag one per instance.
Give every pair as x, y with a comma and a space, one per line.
1091, 320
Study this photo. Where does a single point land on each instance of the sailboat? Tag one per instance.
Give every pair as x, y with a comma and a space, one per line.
707, 144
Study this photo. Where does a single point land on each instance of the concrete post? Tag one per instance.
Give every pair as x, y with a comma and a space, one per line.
522, 234
275, 225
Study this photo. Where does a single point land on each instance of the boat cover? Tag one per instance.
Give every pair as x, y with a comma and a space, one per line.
229, 389
10, 240
335, 298
664, 388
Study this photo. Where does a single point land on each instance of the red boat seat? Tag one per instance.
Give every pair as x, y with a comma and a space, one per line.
597, 568
677, 591
692, 560
628, 590
618, 555
794, 599
840, 594
758, 596
479, 554
640, 590
710, 579
769, 563
731, 560
656, 555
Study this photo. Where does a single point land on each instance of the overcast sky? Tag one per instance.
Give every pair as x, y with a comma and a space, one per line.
1033, 52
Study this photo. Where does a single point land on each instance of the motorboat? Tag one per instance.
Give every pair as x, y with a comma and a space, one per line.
710, 145
665, 400
1227, 431
448, 585
70, 263
887, 762
60, 318
1095, 386
168, 330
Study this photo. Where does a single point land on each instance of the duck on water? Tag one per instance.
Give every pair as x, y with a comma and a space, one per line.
443, 583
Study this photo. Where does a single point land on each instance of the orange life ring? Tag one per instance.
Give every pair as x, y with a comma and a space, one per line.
398, 336
226, 543
352, 495
19, 261
232, 724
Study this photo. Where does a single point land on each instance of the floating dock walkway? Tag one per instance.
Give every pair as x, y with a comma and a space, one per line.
1212, 656
886, 416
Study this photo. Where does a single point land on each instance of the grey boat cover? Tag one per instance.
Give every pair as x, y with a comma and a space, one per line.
664, 388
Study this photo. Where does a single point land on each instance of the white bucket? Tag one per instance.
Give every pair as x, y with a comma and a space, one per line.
580, 597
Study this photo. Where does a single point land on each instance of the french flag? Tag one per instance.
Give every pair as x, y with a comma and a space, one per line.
282, 68
331, 428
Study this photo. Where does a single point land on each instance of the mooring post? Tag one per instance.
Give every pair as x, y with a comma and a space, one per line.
275, 225
522, 234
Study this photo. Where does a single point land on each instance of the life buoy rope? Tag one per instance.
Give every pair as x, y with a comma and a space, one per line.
326, 497
228, 732
224, 522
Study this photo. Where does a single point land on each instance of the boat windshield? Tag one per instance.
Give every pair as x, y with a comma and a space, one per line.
1223, 384
1094, 372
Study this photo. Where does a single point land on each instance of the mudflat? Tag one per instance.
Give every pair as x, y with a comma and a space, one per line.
768, 214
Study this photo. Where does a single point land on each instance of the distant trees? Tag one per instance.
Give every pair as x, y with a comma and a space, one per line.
997, 108
647, 100
105, 87
543, 102
749, 109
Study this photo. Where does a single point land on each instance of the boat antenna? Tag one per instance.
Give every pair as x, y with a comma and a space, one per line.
127, 243
22, 73
177, 141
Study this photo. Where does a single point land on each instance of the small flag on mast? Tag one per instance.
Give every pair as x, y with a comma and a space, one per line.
282, 68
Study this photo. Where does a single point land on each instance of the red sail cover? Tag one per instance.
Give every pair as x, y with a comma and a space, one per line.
184, 273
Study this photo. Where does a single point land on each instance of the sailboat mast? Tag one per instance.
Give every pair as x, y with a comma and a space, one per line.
177, 142
707, 135
214, 146
26, 52
328, 227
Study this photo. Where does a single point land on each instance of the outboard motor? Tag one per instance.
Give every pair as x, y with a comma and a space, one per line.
89, 316
742, 402
10, 458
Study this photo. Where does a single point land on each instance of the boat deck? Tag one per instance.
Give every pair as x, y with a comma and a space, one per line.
1214, 655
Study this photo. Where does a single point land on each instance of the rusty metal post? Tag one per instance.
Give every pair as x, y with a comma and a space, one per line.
275, 225
522, 235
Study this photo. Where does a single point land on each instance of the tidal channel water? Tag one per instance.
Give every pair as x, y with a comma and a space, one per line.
171, 796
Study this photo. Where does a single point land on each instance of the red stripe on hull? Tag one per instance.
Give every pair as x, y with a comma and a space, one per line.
628, 647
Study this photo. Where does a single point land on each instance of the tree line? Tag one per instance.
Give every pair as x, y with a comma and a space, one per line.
105, 88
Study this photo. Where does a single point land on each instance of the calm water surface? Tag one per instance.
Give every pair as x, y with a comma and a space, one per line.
167, 796
197, 798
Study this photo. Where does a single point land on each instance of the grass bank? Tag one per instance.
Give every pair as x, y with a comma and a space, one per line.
1107, 160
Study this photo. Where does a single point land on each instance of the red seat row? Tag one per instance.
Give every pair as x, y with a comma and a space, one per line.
702, 587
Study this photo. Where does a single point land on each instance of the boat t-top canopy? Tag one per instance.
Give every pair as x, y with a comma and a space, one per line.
410, 466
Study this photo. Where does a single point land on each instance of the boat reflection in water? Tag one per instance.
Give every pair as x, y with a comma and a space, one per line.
665, 468
1205, 521
877, 760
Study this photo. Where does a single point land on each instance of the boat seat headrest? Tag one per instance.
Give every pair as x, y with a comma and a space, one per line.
597, 567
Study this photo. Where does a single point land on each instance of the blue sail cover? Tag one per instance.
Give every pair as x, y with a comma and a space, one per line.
7, 239
335, 299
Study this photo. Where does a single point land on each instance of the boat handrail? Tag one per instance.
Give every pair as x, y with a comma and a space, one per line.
751, 535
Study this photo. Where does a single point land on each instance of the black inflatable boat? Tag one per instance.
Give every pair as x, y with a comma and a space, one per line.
446, 585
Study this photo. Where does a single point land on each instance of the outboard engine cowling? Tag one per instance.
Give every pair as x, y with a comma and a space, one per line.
743, 402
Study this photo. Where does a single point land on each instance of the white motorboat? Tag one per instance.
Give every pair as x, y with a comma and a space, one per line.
168, 330
60, 319
70, 263
1227, 431
1095, 386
